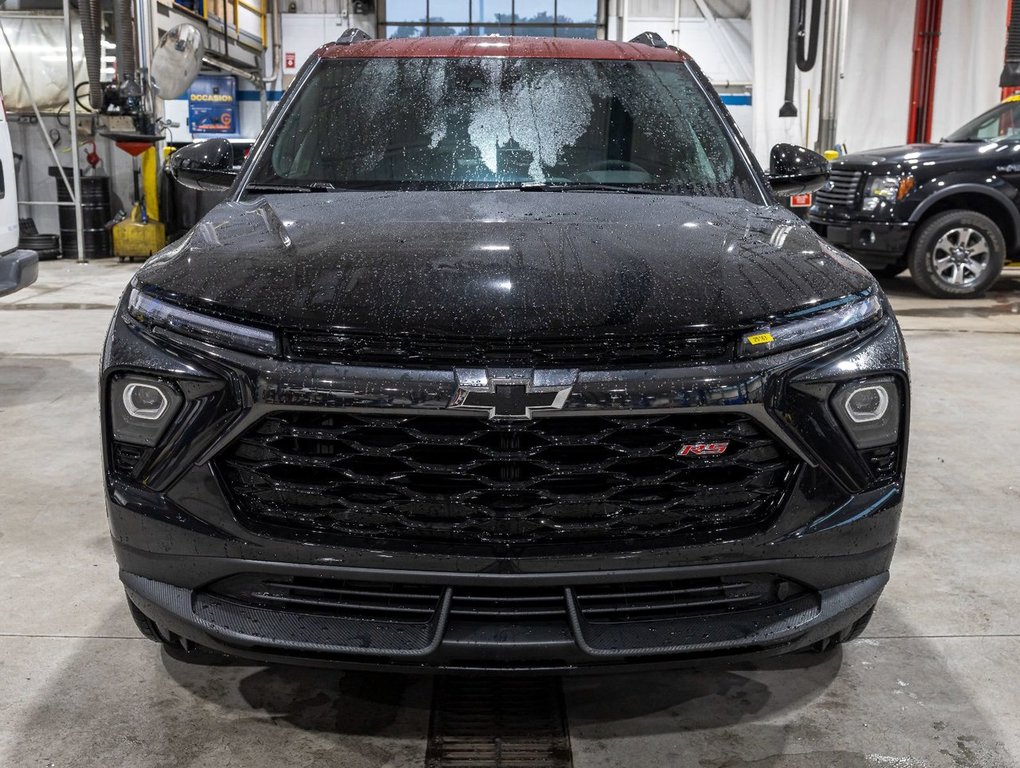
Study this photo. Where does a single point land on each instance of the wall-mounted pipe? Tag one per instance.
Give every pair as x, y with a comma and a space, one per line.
801, 48
832, 68
91, 33
124, 35
789, 109
277, 32
251, 76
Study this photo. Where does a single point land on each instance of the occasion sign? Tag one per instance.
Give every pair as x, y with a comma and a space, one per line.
212, 105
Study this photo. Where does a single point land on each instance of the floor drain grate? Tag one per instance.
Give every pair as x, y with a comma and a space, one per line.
498, 723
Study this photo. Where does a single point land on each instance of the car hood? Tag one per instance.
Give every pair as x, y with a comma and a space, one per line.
911, 155
517, 263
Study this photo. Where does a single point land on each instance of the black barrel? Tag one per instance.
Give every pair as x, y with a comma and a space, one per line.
95, 213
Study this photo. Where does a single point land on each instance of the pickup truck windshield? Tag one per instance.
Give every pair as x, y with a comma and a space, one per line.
1001, 122
493, 123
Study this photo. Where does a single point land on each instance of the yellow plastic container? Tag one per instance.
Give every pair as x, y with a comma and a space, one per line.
135, 239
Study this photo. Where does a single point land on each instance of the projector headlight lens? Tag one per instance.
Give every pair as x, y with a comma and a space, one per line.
141, 408
869, 411
866, 404
144, 401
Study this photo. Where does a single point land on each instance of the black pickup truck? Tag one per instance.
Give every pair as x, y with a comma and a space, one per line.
946, 211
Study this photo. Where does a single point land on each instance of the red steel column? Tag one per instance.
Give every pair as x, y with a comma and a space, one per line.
1009, 90
927, 29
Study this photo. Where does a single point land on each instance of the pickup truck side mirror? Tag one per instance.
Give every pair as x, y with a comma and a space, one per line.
206, 166
795, 170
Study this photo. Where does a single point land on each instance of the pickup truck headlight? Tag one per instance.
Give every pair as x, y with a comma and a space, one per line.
881, 188
814, 324
157, 313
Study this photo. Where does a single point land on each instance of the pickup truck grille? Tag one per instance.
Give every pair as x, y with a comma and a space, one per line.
464, 481
842, 188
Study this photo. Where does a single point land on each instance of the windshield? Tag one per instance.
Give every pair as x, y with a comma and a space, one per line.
457, 123
1001, 122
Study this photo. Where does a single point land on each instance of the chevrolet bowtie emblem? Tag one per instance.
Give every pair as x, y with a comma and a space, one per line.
510, 399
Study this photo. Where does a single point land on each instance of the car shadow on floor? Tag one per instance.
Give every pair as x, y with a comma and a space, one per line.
114, 708
820, 705
349, 703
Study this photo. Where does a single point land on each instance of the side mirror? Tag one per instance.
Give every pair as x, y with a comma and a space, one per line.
207, 166
796, 170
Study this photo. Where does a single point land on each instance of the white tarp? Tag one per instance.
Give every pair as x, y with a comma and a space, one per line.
40, 47
874, 92
770, 20
971, 50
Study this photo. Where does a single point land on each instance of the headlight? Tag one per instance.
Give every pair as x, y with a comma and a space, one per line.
882, 188
141, 408
811, 325
224, 333
869, 411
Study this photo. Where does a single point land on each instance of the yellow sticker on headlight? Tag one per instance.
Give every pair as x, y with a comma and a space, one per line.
760, 338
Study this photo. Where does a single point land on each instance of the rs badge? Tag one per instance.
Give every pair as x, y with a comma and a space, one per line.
703, 449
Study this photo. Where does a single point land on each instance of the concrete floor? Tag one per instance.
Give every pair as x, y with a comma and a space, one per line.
933, 683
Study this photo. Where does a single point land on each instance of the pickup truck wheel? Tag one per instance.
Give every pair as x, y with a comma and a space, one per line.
957, 255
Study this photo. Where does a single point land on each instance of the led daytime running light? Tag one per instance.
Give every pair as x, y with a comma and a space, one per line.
152, 311
820, 324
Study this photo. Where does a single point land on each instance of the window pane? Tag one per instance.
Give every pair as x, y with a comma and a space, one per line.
576, 11
405, 30
446, 30
496, 29
490, 10
455, 11
527, 30
405, 10
587, 33
534, 11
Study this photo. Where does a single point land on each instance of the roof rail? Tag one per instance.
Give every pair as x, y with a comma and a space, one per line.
352, 35
653, 39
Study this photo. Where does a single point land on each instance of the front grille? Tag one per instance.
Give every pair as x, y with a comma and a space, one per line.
521, 604
604, 603
884, 463
126, 457
406, 350
465, 481
842, 188
650, 601
338, 598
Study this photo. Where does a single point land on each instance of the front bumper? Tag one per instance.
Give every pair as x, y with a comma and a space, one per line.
568, 642
18, 270
177, 535
875, 242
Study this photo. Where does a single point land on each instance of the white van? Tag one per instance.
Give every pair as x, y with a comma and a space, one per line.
17, 268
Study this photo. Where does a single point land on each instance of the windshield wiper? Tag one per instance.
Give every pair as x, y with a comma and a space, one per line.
315, 186
593, 187
537, 186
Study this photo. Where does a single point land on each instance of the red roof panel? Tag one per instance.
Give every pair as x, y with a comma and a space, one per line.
452, 47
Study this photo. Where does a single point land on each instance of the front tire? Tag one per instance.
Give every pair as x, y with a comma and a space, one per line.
957, 255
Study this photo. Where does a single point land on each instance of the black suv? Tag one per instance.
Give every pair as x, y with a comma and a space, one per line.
947, 211
502, 355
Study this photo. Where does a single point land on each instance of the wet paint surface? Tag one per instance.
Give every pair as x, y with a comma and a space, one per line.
501, 263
